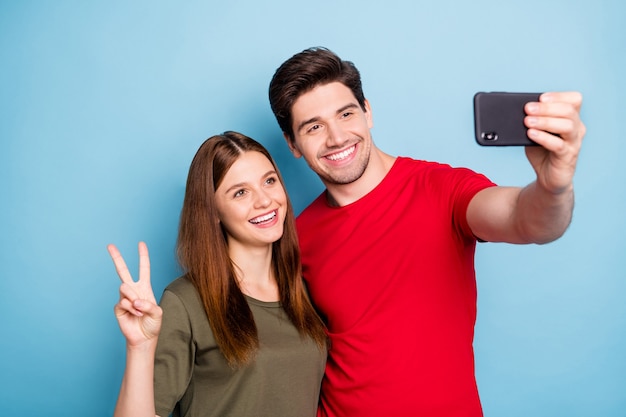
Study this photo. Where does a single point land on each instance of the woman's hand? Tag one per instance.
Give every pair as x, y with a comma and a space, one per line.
137, 311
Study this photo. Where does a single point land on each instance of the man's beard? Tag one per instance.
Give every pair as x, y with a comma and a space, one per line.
344, 178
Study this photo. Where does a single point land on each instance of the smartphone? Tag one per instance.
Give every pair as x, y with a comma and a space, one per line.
499, 118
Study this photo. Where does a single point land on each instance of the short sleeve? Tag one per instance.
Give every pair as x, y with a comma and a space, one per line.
466, 185
173, 364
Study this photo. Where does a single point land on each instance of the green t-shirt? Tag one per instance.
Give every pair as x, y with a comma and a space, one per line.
192, 378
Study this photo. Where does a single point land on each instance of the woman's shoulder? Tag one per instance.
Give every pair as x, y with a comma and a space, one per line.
180, 285
181, 303
184, 290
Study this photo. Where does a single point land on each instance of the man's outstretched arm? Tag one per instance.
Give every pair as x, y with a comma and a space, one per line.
541, 211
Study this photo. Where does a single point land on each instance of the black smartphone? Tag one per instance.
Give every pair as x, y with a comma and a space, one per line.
499, 118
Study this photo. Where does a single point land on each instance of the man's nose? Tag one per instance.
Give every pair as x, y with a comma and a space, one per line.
336, 136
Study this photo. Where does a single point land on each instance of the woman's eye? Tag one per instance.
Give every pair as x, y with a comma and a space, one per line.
271, 180
239, 193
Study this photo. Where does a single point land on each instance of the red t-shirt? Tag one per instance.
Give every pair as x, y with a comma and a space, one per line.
393, 275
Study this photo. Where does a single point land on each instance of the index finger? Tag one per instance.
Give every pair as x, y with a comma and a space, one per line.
571, 97
120, 265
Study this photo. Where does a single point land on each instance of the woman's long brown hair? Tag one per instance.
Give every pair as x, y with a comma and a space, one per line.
203, 254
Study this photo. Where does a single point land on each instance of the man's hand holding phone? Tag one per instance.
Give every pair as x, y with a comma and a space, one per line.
550, 120
554, 123
541, 211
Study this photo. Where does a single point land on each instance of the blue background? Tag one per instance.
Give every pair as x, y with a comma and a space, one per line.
103, 105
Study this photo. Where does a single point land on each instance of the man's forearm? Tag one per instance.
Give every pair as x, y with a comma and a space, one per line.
542, 216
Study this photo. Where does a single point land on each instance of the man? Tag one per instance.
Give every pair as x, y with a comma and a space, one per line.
388, 248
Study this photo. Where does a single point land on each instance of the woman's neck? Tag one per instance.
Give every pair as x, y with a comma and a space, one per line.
255, 275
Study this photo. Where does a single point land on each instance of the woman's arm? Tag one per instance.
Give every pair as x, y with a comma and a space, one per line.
139, 318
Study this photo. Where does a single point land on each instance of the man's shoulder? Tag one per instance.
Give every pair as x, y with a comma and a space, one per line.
319, 203
410, 166
408, 163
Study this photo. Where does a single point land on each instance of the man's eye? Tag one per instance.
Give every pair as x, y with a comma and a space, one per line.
314, 128
346, 114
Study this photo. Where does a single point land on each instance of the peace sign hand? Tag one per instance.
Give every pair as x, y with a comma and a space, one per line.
137, 312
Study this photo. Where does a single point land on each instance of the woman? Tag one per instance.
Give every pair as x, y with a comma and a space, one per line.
237, 335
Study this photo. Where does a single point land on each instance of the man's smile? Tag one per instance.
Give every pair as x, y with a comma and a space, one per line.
339, 156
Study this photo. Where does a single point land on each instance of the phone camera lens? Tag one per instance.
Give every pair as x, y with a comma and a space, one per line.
490, 136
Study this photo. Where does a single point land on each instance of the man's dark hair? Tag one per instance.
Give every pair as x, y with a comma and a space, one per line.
303, 72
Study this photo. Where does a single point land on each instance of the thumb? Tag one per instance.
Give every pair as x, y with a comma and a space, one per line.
148, 308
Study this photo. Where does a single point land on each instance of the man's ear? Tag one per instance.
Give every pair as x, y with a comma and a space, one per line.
368, 114
292, 145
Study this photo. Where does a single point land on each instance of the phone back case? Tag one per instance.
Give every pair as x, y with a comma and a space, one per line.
499, 118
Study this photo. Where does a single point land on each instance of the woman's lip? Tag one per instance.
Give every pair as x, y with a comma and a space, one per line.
264, 217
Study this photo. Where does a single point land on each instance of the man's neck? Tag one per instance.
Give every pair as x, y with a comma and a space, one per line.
378, 167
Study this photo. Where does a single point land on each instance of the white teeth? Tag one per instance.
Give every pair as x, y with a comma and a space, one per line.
341, 155
264, 218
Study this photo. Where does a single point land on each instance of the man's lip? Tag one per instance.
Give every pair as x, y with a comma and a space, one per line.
338, 154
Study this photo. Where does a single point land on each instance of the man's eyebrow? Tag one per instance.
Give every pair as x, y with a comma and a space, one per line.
306, 122
316, 118
347, 106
